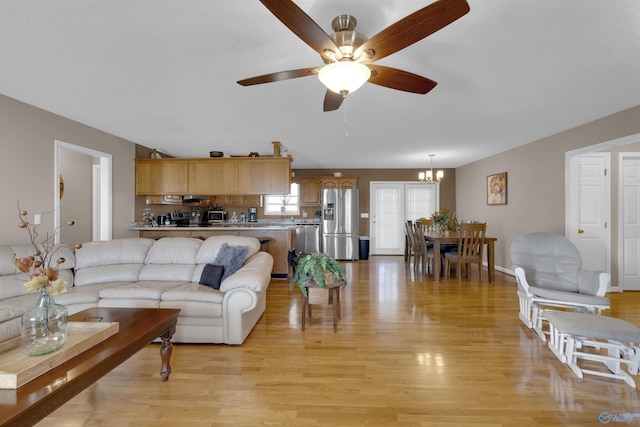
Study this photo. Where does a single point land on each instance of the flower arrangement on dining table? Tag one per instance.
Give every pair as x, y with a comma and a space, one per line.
443, 220
40, 267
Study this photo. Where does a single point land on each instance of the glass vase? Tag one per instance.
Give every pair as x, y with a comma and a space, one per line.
44, 327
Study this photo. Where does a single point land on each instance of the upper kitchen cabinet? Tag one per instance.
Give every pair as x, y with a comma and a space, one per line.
310, 191
211, 176
264, 175
342, 182
161, 177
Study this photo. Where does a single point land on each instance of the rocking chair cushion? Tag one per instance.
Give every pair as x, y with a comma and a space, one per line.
592, 326
570, 297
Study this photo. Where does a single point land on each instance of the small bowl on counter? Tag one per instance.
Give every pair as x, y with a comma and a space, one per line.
216, 154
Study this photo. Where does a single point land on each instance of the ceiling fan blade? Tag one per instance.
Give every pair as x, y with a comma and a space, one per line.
400, 80
332, 101
279, 76
303, 26
413, 28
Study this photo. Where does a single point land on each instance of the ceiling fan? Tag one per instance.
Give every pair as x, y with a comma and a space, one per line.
349, 55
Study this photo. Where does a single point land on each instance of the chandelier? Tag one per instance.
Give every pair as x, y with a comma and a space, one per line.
428, 177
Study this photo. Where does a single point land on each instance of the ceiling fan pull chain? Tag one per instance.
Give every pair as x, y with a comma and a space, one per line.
346, 115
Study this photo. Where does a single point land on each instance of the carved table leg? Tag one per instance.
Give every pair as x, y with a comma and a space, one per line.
165, 353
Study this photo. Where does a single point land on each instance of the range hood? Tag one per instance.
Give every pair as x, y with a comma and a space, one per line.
193, 198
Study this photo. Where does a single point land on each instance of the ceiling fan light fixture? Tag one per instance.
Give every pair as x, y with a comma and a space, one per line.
344, 77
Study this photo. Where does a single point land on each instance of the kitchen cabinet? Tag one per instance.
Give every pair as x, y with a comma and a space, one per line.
341, 182
311, 187
158, 177
218, 177
225, 200
310, 191
229, 176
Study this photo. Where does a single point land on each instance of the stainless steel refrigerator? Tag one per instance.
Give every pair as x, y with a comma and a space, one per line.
340, 209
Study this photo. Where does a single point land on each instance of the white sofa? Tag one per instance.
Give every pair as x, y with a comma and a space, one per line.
162, 273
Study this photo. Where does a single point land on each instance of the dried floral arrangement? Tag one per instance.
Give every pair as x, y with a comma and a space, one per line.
40, 266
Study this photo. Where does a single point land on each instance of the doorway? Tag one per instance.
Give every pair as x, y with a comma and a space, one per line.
629, 222
83, 181
614, 231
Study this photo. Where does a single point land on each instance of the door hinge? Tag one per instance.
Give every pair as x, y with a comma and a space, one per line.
605, 171
605, 225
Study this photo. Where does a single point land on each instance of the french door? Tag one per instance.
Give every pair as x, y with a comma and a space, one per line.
391, 204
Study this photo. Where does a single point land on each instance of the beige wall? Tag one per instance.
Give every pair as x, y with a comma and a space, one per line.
536, 176
27, 136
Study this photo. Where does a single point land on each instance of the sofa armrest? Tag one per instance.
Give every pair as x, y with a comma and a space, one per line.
255, 274
241, 310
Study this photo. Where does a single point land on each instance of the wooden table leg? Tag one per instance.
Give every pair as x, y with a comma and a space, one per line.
165, 353
436, 261
491, 263
305, 304
335, 291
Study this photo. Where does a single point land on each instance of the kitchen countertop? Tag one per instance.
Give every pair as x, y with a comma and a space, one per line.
260, 225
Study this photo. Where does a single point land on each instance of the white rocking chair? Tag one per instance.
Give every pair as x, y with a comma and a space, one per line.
549, 273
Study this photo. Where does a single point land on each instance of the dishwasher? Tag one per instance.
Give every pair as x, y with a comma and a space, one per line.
308, 238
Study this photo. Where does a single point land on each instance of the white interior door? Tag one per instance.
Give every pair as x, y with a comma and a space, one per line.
629, 229
590, 217
392, 203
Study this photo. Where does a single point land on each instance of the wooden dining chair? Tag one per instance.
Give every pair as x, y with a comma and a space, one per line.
470, 247
426, 253
411, 251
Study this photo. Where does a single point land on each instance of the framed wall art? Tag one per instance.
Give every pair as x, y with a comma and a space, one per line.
497, 189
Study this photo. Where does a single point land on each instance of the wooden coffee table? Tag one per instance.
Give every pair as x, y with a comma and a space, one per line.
35, 400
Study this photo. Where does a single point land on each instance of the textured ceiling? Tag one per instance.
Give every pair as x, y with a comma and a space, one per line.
163, 74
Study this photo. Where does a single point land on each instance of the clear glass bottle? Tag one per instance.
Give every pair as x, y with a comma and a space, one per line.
44, 327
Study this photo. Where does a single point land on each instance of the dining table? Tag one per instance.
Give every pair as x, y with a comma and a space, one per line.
451, 238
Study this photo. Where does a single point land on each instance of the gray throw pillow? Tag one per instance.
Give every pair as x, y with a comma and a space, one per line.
212, 276
231, 257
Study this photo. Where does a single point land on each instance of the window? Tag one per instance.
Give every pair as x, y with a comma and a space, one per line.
283, 204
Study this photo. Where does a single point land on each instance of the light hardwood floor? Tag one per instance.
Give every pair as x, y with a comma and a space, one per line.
408, 352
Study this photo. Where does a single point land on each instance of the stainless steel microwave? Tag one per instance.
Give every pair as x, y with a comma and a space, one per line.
215, 216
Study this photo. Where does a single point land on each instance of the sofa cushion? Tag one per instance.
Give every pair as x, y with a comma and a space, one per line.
211, 246
12, 280
9, 253
8, 312
212, 275
167, 272
232, 258
110, 252
138, 290
192, 292
88, 294
107, 274
174, 250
